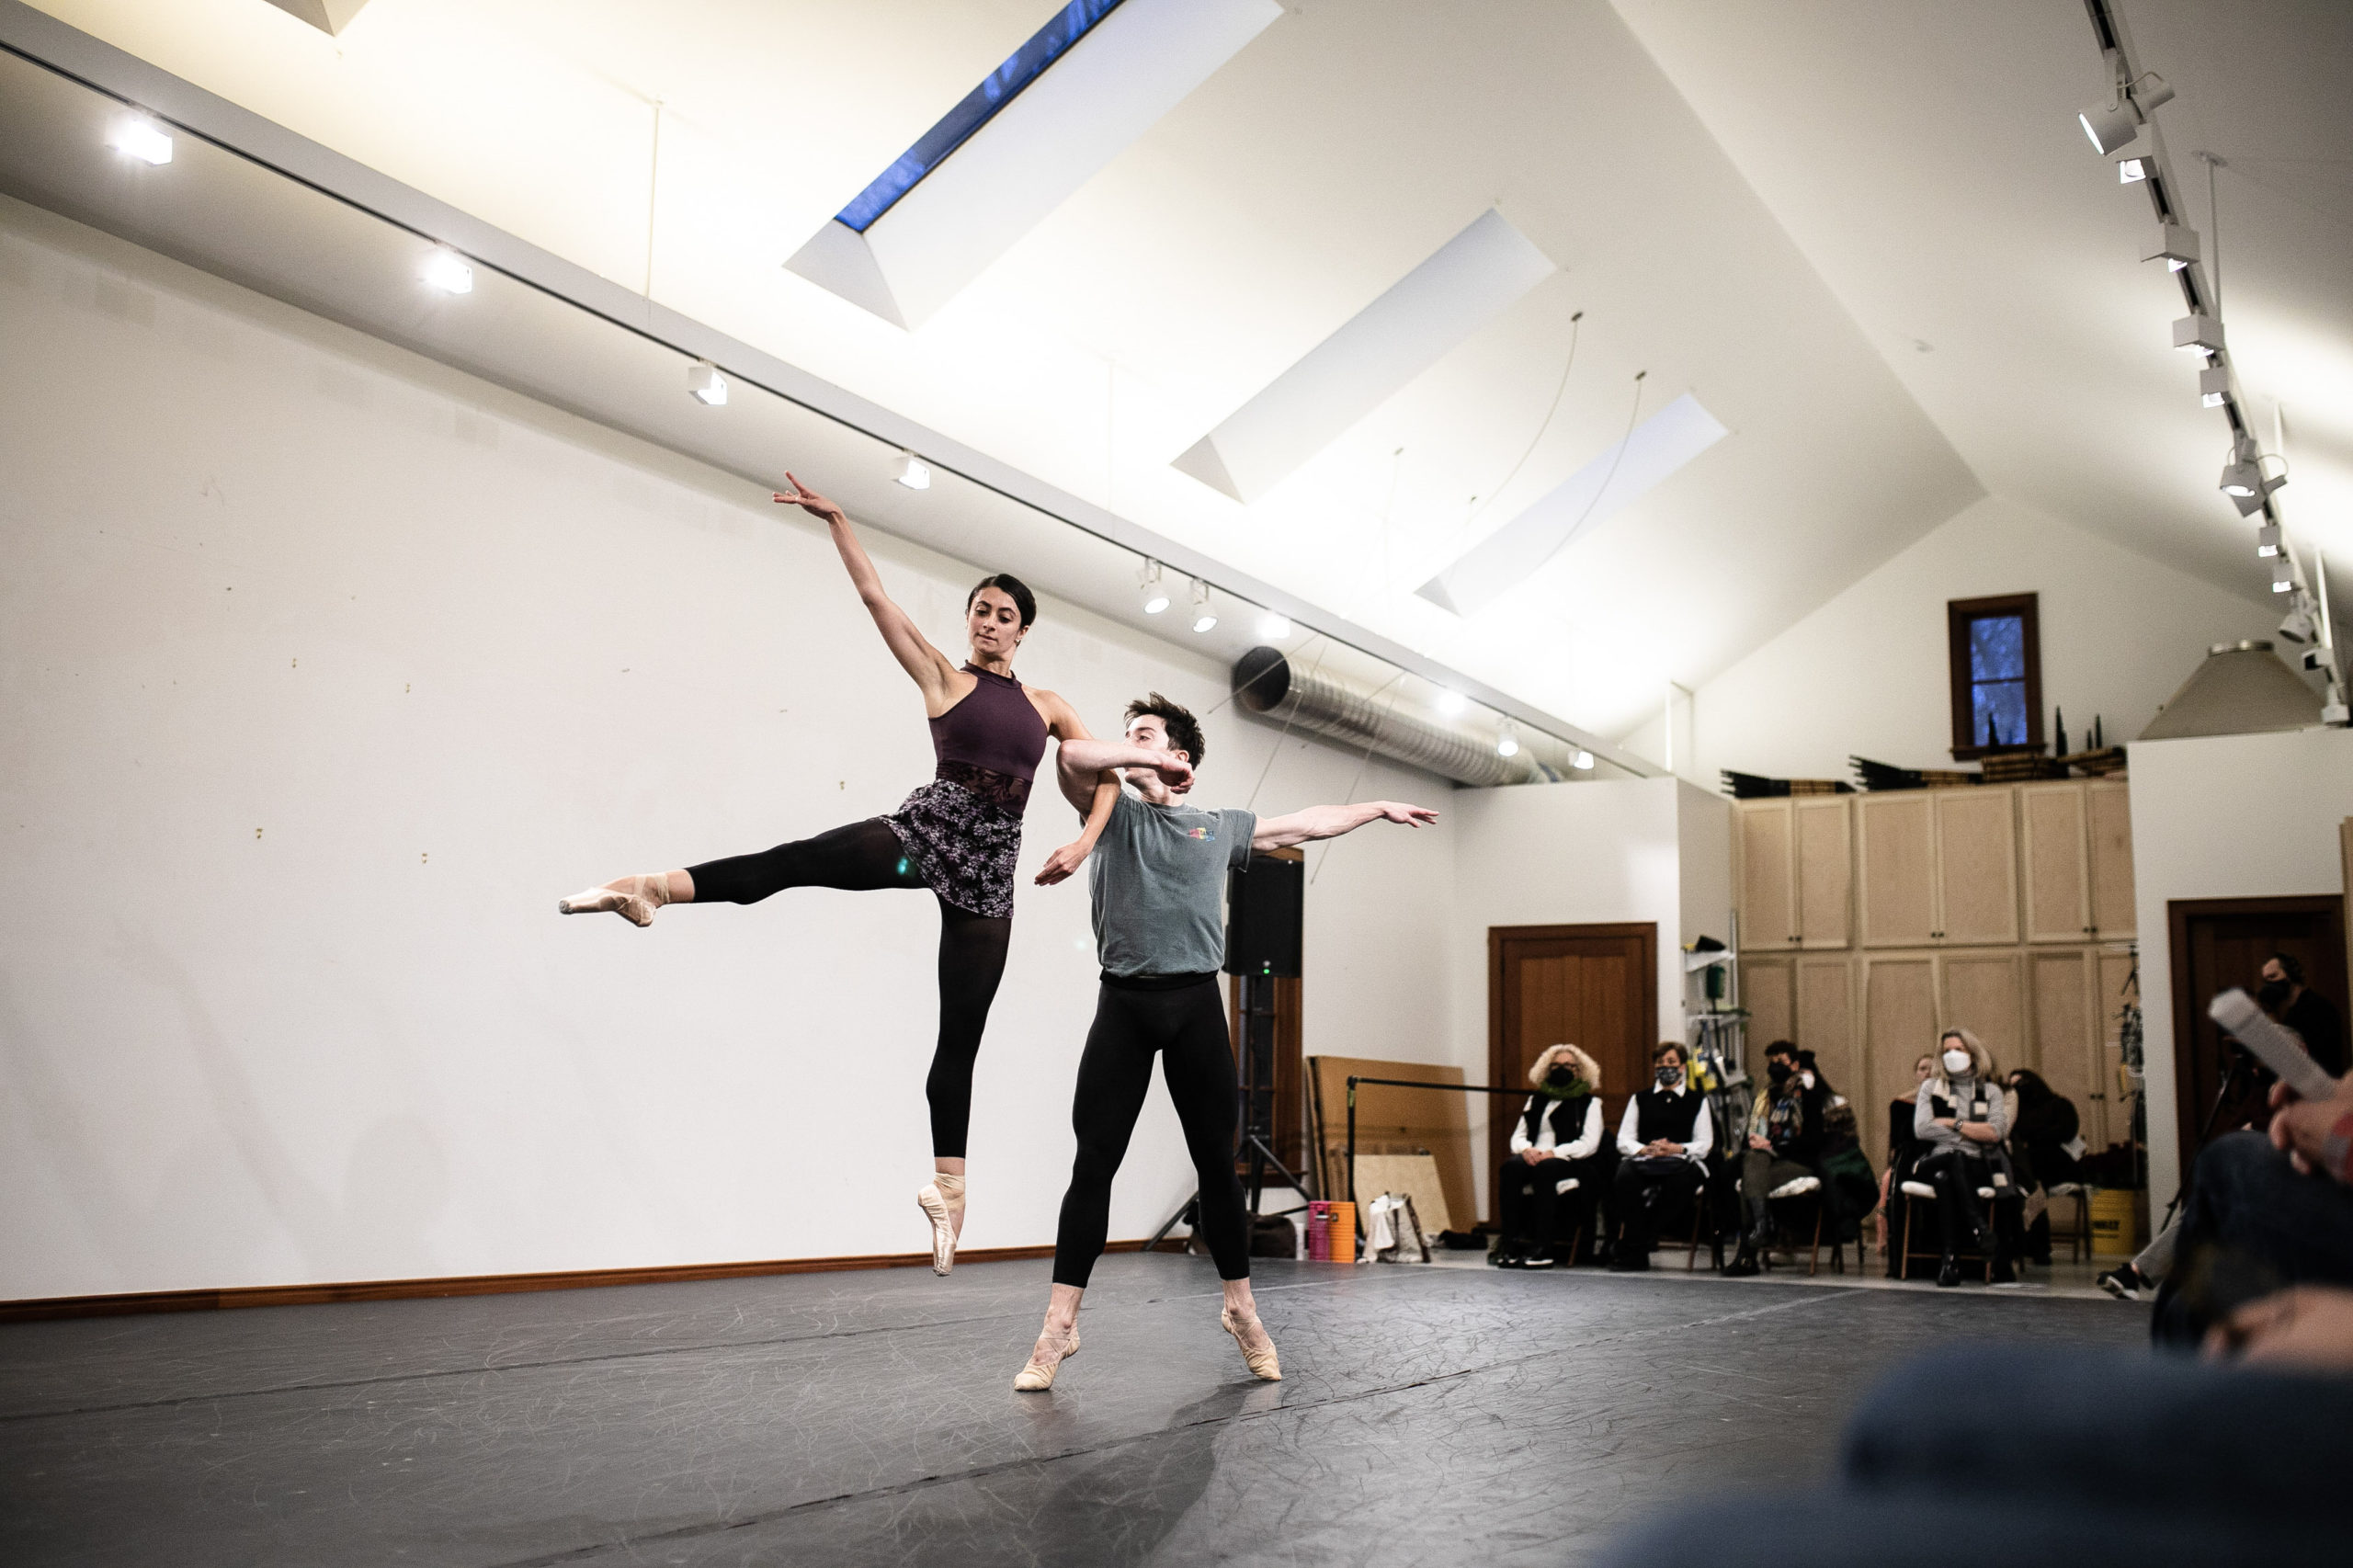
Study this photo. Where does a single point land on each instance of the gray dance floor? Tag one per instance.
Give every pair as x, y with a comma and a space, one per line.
1428, 1416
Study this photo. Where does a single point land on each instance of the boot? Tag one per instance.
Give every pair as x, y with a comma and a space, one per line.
1743, 1266
1949, 1275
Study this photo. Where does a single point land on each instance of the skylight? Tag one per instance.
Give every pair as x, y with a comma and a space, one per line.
1000, 87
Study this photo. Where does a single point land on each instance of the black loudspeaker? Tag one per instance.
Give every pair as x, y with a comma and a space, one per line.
1263, 905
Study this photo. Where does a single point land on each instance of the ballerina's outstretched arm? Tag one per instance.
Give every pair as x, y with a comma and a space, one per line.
929, 668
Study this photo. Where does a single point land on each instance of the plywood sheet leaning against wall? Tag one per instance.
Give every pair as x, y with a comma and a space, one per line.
1391, 1121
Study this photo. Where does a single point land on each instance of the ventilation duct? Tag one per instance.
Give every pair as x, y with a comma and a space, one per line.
1267, 684
2241, 689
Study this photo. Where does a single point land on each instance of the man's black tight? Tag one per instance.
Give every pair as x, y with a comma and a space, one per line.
866, 857
1185, 1026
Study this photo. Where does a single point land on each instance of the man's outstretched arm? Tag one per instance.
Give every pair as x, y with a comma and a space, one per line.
1331, 822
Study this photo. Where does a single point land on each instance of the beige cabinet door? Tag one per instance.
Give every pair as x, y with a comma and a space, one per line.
1825, 1021
1768, 990
2055, 846
1825, 868
1895, 866
1977, 866
1985, 994
1769, 900
2107, 809
1899, 1028
2066, 1031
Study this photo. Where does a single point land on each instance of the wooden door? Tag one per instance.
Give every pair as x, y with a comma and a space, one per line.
2058, 875
1768, 990
2066, 1048
1824, 857
1825, 1024
1985, 994
1977, 866
1899, 1028
1895, 868
2107, 809
2221, 942
1594, 986
1769, 915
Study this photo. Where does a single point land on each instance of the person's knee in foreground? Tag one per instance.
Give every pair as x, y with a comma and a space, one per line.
1158, 877
1664, 1139
1784, 1143
1550, 1186
1961, 1119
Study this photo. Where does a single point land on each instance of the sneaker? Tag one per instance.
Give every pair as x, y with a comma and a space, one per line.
1537, 1260
2123, 1283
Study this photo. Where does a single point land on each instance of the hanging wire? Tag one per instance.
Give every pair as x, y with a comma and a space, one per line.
1275, 751
1558, 392
1313, 637
1363, 760
1619, 456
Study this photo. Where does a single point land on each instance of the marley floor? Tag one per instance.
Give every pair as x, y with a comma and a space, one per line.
1427, 1417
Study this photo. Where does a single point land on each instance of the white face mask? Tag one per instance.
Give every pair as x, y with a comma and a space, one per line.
1956, 1062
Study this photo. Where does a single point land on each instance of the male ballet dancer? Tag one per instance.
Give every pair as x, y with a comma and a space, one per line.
1159, 871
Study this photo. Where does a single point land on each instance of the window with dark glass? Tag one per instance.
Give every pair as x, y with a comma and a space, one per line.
1996, 656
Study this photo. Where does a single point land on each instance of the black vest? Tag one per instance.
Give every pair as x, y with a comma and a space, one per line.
1659, 1114
1567, 1118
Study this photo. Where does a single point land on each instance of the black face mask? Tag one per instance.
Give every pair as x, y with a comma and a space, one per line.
1669, 1076
1560, 1077
2273, 994
1777, 1071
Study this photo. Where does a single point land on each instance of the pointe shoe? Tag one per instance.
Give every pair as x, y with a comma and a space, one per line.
1263, 1364
634, 900
942, 1202
1034, 1379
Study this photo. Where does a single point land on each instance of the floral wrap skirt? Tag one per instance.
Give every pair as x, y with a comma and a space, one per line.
962, 835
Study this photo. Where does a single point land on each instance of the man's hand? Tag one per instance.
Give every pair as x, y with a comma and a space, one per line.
1410, 816
1173, 770
1535, 1157
2309, 1327
1063, 861
2315, 1134
1759, 1144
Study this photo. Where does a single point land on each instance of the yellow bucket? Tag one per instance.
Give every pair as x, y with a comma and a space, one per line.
2116, 1222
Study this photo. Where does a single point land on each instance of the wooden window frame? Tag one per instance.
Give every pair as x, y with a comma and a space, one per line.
1959, 613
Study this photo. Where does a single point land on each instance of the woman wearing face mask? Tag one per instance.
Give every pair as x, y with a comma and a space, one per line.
1902, 1149
1961, 1119
1556, 1141
1664, 1140
956, 836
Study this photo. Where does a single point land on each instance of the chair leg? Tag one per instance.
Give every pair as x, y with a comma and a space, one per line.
1813, 1259
1698, 1223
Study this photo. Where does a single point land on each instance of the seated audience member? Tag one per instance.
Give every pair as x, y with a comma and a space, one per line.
2285, 996
1961, 1119
2046, 1147
1903, 1148
1785, 1130
1663, 1144
1557, 1139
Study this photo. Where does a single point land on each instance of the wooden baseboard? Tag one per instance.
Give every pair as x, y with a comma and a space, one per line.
493, 1284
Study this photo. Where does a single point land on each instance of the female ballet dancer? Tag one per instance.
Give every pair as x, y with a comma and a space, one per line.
958, 835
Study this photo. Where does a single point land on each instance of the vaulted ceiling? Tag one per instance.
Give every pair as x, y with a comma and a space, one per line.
1865, 236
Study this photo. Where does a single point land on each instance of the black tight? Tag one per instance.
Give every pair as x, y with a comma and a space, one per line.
1187, 1026
866, 857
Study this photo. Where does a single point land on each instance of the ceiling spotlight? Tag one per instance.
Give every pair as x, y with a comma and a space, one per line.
2134, 167
2110, 126
1273, 628
1204, 617
912, 472
1584, 759
2298, 627
705, 384
1453, 704
2283, 575
2213, 385
2242, 477
2266, 540
2176, 245
1150, 589
2199, 335
444, 271
1507, 739
137, 138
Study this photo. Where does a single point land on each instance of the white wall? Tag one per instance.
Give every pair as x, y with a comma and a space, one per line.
2228, 816
327, 671
1867, 674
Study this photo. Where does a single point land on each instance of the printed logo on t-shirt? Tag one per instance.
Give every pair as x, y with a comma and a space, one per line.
1201, 832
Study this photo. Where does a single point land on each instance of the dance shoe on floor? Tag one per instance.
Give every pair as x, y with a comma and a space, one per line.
634, 899
1034, 1379
941, 1200
1262, 1363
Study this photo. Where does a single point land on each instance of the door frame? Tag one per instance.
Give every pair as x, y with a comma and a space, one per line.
1499, 936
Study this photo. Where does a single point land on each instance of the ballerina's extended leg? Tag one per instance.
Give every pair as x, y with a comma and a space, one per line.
633, 898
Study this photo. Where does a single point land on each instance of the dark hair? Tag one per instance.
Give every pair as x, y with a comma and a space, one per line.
2291, 966
1013, 588
1783, 1048
1184, 730
2030, 1087
1676, 1046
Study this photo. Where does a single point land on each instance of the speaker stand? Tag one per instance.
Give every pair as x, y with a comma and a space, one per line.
1256, 1000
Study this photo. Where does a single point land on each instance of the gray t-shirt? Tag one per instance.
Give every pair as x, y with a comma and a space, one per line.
1158, 879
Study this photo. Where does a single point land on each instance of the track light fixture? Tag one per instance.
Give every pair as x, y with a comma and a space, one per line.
2134, 167
2266, 540
2298, 626
2198, 335
2242, 477
2110, 126
1582, 762
2176, 245
912, 472
1150, 589
1453, 704
1204, 617
2213, 385
1273, 628
138, 139
2283, 575
1507, 738
445, 270
705, 384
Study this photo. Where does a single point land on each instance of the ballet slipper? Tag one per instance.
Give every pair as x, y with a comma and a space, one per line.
1036, 1378
634, 899
1263, 1364
942, 1202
